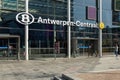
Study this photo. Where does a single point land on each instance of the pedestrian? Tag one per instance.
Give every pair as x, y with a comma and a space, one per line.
91, 50
57, 47
10, 50
116, 50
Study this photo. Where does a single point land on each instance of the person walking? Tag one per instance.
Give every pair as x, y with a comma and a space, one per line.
10, 50
116, 50
91, 50
57, 47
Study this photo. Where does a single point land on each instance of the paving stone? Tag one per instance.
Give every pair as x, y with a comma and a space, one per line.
45, 69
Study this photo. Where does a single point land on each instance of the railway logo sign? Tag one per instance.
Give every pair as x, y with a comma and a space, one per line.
25, 18
101, 25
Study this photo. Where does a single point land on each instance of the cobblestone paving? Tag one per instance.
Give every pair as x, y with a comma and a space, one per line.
108, 75
107, 68
46, 68
43, 69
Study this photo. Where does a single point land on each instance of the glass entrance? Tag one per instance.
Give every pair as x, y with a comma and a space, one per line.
81, 46
9, 47
85, 46
3, 47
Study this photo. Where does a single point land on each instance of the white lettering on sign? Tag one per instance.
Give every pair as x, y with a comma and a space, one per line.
24, 18
65, 23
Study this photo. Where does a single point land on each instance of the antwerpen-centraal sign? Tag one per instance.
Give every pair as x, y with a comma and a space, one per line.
27, 18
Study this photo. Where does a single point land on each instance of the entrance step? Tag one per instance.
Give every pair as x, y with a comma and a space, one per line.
62, 77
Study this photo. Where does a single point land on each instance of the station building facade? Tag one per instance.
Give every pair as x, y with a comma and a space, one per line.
43, 36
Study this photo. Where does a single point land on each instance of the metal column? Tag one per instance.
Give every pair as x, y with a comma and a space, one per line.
100, 30
18, 48
69, 30
26, 32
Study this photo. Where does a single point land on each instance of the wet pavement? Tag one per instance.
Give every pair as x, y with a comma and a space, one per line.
47, 68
